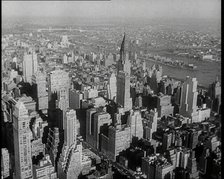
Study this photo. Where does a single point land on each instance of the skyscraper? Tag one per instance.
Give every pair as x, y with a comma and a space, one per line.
112, 87
35, 63
70, 124
192, 166
123, 90
59, 83
40, 88
123, 78
215, 94
136, 124
95, 122
150, 122
22, 145
29, 66
70, 161
58, 95
75, 98
188, 99
124, 63
5, 165
53, 144
119, 139
164, 105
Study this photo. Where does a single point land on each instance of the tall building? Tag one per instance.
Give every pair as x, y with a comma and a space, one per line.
179, 157
30, 66
150, 123
177, 95
136, 125
70, 162
164, 105
39, 81
123, 90
35, 62
188, 99
124, 63
59, 82
53, 144
89, 123
182, 157
167, 140
191, 139
70, 127
95, 122
215, 94
203, 161
119, 139
5, 163
37, 126
215, 89
192, 166
58, 93
112, 87
27, 67
22, 142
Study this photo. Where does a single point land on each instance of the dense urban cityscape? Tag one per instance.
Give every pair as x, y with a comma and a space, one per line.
104, 101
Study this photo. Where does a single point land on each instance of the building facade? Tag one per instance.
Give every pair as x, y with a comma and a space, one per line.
22, 142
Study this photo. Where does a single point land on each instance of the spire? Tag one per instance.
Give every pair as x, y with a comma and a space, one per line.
124, 63
122, 50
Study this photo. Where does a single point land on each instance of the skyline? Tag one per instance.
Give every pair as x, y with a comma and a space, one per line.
204, 9
114, 89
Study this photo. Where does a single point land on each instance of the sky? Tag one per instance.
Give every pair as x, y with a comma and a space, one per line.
114, 8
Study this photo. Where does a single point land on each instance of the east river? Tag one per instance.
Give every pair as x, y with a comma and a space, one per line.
206, 71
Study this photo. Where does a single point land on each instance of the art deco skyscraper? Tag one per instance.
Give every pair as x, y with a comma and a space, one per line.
123, 79
22, 142
123, 90
188, 99
124, 63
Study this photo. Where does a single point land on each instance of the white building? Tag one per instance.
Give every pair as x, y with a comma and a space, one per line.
22, 142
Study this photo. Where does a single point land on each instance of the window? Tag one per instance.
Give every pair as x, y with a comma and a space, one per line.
24, 124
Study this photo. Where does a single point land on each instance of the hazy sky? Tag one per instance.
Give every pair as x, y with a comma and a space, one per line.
115, 8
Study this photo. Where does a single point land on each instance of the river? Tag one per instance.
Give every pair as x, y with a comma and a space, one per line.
206, 71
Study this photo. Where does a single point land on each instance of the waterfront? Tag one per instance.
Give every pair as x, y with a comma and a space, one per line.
206, 71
